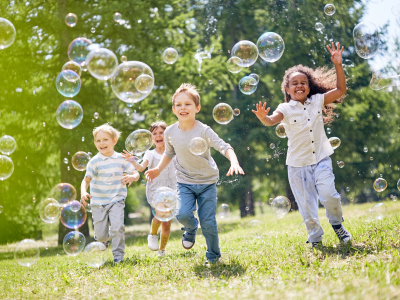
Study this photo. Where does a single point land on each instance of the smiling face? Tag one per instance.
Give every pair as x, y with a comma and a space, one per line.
105, 143
158, 137
298, 88
185, 108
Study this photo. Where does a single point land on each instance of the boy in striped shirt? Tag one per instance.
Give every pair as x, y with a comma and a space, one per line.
107, 174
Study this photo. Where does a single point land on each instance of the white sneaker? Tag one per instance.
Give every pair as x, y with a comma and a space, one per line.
161, 253
152, 242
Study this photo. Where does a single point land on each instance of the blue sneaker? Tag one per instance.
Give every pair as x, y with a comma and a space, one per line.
316, 245
118, 260
188, 240
343, 235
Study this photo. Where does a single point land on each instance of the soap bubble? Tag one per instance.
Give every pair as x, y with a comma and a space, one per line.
366, 39
347, 189
272, 146
329, 9
234, 64
311, 224
170, 55
52, 212
280, 131
256, 229
247, 85
110, 179
398, 184
379, 82
69, 114
165, 204
340, 164
335, 142
143, 182
63, 193
117, 17
95, 254
72, 66
139, 141
236, 112
144, 83
45, 210
247, 51
26, 253
78, 50
347, 63
255, 76
6, 167
101, 63
79, 160
396, 10
223, 210
281, 206
71, 20
68, 83
271, 46
7, 144
8, 33
1, 209
96, 115
124, 78
73, 243
88, 208
198, 146
378, 211
222, 113
319, 26
365, 149
73, 215
92, 30
380, 184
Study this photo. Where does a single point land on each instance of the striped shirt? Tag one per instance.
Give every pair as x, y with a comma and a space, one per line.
105, 173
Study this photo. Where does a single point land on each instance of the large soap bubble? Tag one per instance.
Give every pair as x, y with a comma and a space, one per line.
7, 144
124, 78
165, 204
71, 20
248, 85
144, 83
68, 83
234, 64
223, 210
45, 213
366, 39
335, 142
311, 225
72, 66
271, 46
80, 160
139, 141
281, 206
69, 114
379, 81
170, 55
247, 51
73, 243
7, 36
6, 167
380, 184
280, 131
26, 253
95, 254
101, 63
378, 211
198, 146
78, 50
73, 215
329, 9
63, 193
319, 26
52, 212
223, 113
256, 229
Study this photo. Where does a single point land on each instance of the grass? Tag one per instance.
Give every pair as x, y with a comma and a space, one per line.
278, 266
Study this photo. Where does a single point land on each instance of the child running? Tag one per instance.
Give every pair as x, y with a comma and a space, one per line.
308, 105
196, 174
167, 178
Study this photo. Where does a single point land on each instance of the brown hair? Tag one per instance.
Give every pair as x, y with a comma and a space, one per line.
114, 133
190, 90
320, 80
157, 124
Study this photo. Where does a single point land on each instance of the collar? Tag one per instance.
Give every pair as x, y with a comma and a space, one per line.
293, 102
103, 157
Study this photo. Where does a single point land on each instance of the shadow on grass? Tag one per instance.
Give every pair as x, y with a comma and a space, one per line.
223, 269
347, 250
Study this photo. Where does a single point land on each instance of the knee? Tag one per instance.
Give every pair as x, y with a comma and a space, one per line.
209, 226
184, 217
166, 228
117, 229
102, 237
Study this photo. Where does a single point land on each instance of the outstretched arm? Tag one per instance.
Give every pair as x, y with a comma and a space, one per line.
235, 167
340, 90
153, 173
129, 157
262, 115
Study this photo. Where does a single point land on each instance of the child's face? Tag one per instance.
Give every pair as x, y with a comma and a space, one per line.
105, 143
298, 88
185, 108
158, 137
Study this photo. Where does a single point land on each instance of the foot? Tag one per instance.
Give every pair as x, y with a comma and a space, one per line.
210, 262
118, 260
161, 253
104, 246
316, 245
188, 240
342, 233
152, 242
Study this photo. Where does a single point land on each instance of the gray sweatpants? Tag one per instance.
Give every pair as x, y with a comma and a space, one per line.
112, 213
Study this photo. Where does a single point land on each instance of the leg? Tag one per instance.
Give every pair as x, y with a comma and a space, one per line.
303, 187
116, 215
100, 223
207, 200
155, 224
165, 233
185, 216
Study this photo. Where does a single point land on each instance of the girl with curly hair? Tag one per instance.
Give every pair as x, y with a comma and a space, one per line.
309, 98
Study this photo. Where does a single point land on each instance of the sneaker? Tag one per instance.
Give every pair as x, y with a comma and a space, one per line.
188, 240
342, 233
152, 242
210, 262
104, 246
161, 253
316, 245
118, 260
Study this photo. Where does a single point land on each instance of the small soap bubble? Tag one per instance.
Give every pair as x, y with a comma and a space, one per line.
247, 85
7, 144
280, 131
26, 253
380, 184
80, 160
144, 83
73, 243
394, 198
351, 199
223, 210
52, 212
351, 119
117, 17
247, 51
347, 63
143, 182
198, 146
366, 39
398, 184
248, 148
271, 46
88, 208
222, 113
92, 30
73, 215
69, 114
329, 9
365, 149
378, 116
335, 142
396, 10
328, 130
101, 63
96, 115
1, 209
255, 228
68, 168
124, 58
371, 158
71, 20
65, 160
210, 82
281, 206
83, 139
255, 76
6, 167
234, 64
272, 146
72, 66
347, 189
236, 112
340, 164
78, 50
139, 141
68, 83
319, 26
378, 211
8, 33
170, 55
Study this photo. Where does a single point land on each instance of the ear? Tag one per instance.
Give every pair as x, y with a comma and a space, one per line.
173, 108
115, 141
198, 108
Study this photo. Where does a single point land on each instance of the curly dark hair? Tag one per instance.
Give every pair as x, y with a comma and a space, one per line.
320, 80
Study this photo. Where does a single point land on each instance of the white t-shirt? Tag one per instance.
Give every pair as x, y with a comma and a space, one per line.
304, 127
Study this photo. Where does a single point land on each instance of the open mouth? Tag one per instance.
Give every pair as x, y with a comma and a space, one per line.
159, 141
184, 113
299, 92
103, 148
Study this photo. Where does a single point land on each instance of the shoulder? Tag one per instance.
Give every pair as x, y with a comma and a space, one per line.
317, 98
171, 127
282, 108
94, 159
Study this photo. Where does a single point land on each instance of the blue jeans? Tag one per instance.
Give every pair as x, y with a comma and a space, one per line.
206, 196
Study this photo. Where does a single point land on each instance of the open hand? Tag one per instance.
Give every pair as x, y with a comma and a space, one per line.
336, 57
152, 174
261, 112
126, 155
235, 169
128, 179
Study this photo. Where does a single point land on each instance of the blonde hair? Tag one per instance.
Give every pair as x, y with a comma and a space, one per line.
190, 90
157, 124
107, 128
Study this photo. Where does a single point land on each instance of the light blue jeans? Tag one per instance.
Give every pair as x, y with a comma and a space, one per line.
310, 183
206, 196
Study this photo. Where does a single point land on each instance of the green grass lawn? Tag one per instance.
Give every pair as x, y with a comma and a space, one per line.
277, 266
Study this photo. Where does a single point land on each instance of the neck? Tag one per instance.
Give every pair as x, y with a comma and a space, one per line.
187, 125
108, 153
160, 150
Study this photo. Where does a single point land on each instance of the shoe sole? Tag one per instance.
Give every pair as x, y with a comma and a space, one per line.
154, 249
189, 247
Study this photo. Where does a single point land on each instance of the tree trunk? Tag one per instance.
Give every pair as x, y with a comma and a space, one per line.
247, 203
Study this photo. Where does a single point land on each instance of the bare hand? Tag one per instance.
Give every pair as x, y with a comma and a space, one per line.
336, 57
126, 155
235, 168
85, 197
152, 174
128, 179
261, 112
